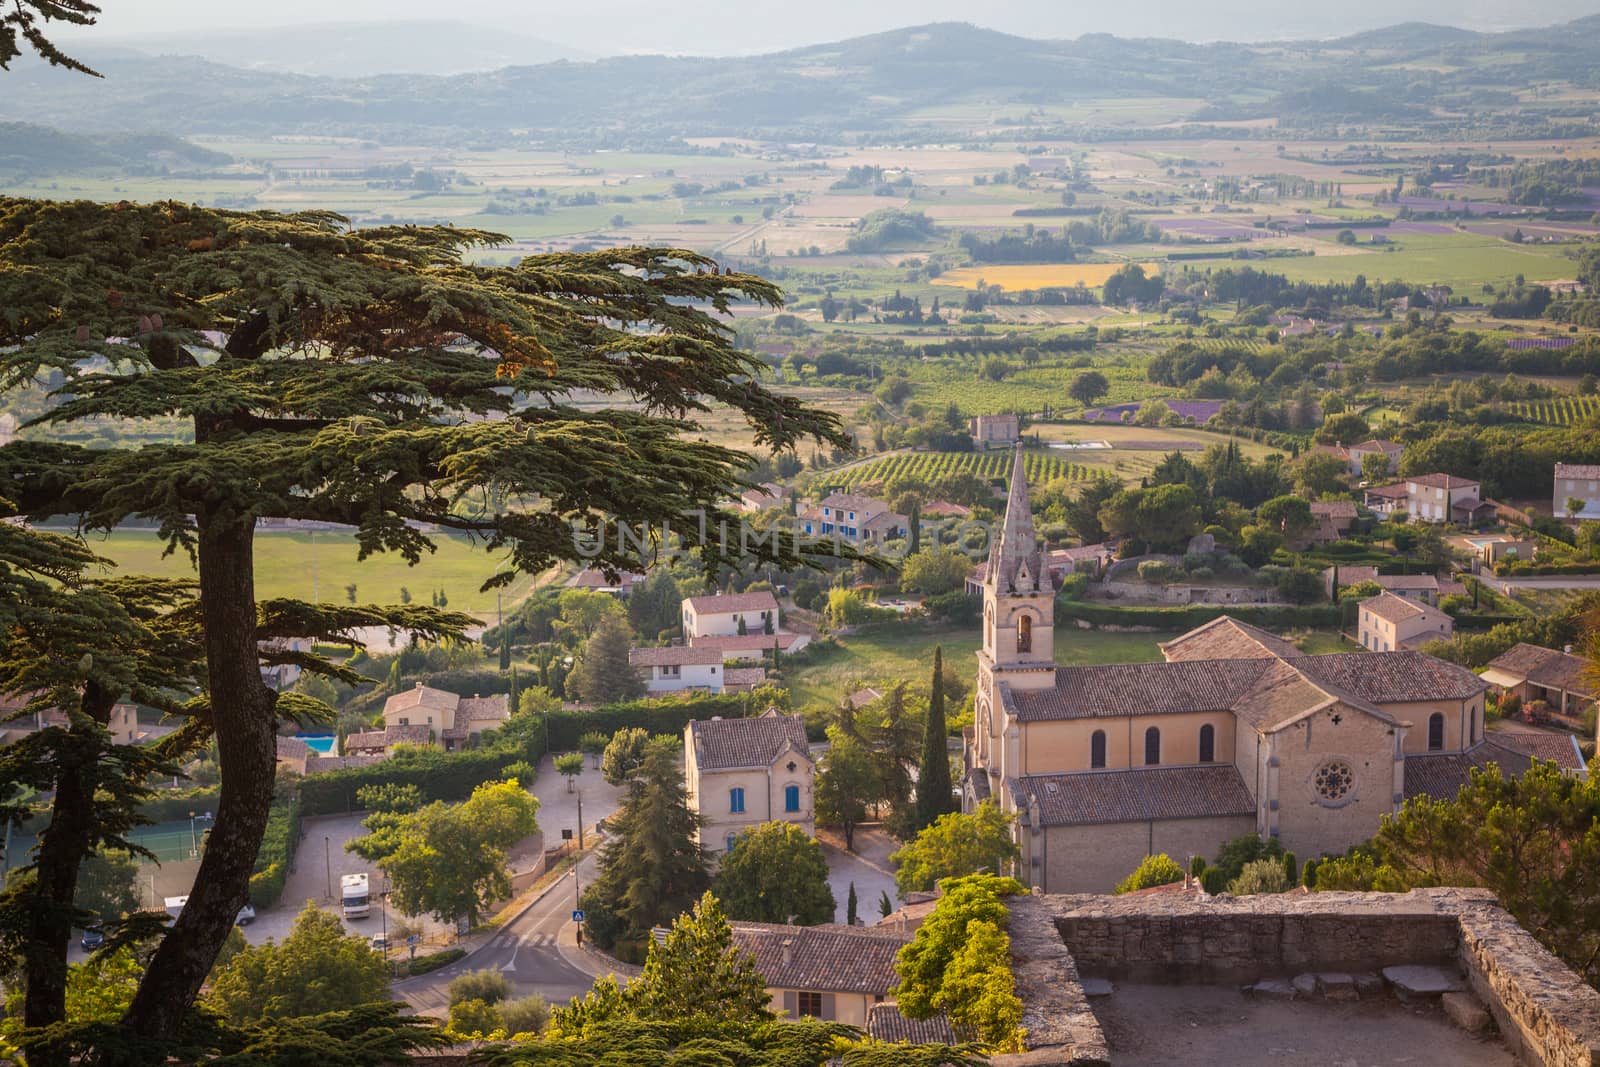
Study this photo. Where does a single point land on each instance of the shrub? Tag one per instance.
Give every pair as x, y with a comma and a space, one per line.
956, 607
276, 852
473, 1019
1197, 866
1188, 616
525, 1015
1259, 876
433, 961
491, 987
1213, 881
437, 775
1156, 571
1160, 869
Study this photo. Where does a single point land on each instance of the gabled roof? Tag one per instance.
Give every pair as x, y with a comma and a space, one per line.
886, 1023
824, 959
1577, 470
744, 642
1134, 795
728, 602
423, 696
1560, 749
1443, 481
1397, 491
1225, 637
1377, 445
724, 744
1442, 774
1392, 608
1281, 695
1548, 667
675, 655
1116, 689
1334, 509
1426, 582
852, 502
1391, 677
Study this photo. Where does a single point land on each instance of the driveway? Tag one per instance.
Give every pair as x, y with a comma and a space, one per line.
868, 867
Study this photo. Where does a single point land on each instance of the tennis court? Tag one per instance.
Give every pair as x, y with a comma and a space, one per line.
171, 840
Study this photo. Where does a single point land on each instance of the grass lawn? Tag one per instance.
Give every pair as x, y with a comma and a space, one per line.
291, 565
905, 652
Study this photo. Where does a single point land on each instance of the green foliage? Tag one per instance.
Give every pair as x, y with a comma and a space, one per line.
471, 1020
930, 468
955, 845
451, 861
846, 782
278, 846
1260, 876
1162, 517
934, 571
623, 755
524, 1015
489, 987
650, 866
776, 874
433, 961
569, 765
694, 975
1188, 616
1160, 869
660, 716
436, 774
934, 795
106, 886
318, 968
890, 228
960, 961
603, 675
1234, 855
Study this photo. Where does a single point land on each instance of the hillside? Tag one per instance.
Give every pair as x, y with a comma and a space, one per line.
41, 149
876, 86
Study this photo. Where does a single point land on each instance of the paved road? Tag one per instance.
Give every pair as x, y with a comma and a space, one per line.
526, 950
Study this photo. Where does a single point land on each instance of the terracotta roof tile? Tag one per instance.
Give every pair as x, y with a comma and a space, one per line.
1560, 749
826, 959
1136, 795
1577, 470
1392, 608
679, 655
1391, 677
744, 642
1116, 689
1442, 481
1226, 638
729, 602
1441, 775
886, 1023
720, 744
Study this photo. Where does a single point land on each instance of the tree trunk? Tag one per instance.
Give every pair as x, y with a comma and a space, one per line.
242, 712
63, 845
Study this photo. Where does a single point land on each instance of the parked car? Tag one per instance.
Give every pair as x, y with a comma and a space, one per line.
246, 916
380, 944
92, 939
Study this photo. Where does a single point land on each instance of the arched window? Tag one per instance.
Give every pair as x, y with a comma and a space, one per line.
1097, 749
1435, 732
1152, 747
1208, 743
1024, 633
791, 798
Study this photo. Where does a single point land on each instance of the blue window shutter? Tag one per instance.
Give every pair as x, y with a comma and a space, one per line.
791, 798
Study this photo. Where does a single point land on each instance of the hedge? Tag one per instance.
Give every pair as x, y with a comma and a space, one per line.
276, 854
658, 716
439, 775
433, 961
170, 807
1188, 616
1528, 569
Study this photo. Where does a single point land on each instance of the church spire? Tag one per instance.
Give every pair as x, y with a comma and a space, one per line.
1015, 562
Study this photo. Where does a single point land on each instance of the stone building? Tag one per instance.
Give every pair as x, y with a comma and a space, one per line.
740, 773
451, 719
836, 973
1387, 623
1237, 732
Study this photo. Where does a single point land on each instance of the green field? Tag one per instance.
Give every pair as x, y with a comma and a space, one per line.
320, 566
929, 466
1460, 260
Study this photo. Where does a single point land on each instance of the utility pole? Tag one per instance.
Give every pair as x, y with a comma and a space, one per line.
577, 893
327, 864
580, 820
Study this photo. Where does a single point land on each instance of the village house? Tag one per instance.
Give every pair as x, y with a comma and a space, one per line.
593, 580
830, 972
1358, 455
1532, 672
751, 647
740, 773
678, 667
1331, 520
1387, 623
852, 518
1432, 498
994, 431
730, 615
1237, 732
451, 720
1577, 482
764, 496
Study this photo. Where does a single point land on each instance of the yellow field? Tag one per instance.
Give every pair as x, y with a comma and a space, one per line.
1036, 275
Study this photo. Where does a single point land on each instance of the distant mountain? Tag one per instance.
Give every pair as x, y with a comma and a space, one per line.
871, 87
361, 49
43, 150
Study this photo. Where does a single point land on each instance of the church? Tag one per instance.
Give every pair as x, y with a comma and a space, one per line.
1236, 732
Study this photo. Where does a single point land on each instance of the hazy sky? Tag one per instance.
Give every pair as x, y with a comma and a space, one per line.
608, 27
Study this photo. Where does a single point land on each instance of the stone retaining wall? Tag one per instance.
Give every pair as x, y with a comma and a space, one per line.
1547, 1013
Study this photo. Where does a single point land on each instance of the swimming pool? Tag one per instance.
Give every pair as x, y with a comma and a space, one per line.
322, 744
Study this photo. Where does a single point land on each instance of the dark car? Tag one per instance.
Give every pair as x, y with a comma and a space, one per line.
92, 939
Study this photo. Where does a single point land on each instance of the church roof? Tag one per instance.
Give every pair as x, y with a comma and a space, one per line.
1015, 562
1135, 795
1225, 637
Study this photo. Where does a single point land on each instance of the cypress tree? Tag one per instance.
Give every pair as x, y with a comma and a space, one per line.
850, 906
933, 785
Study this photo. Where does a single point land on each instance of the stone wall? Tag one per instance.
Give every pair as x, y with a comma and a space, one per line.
1547, 1013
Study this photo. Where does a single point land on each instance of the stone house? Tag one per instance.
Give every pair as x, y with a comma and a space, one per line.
730, 615
1533, 672
1236, 732
1331, 520
995, 431
740, 773
852, 518
1432, 498
1579, 481
678, 667
831, 972
1389, 623
751, 647
1358, 455
451, 719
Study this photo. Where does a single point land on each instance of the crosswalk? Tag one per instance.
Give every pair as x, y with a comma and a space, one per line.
509, 940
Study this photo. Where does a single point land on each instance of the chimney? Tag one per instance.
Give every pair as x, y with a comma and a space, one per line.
788, 951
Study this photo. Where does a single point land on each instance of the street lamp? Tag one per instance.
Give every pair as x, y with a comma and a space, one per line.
194, 841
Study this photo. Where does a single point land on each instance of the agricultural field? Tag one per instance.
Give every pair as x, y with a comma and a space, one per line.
1559, 411
1040, 467
1036, 275
320, 566
1460, 260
